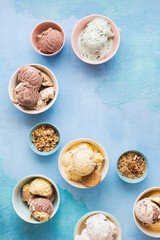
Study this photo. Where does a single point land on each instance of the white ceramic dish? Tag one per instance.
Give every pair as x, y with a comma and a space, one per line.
21, 208
70, 144
79, 226
144, 229
13, 83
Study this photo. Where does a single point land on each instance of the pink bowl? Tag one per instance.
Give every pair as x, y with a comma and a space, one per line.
43, 27
79, 28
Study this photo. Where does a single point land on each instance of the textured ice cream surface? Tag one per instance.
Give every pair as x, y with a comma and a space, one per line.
155, 198
50, 41
27, 196
98, 227
41, 187
96, 40
147, 211
26, 94
44, 96
41, 209
80, 160
46, 81
30, 74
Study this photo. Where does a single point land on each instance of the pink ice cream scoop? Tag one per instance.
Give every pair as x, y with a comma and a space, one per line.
50, 41
41, 209
147, 211
26, 95
30, 74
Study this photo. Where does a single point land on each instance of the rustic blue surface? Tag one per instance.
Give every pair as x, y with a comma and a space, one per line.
117, 104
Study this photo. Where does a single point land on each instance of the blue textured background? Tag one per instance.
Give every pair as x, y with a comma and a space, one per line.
117, 104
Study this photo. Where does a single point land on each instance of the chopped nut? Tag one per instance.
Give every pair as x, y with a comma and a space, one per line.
44, 138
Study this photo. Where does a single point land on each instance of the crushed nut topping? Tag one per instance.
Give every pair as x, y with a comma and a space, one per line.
44, 138
132, 165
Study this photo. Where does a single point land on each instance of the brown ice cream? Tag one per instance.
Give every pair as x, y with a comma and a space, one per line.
50, 41
27, 196
41, 209
30, 74
26, 94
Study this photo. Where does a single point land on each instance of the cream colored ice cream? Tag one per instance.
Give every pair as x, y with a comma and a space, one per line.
96, 40
98, 227
147, 211
50, 41
27, 196
41, 209
81, 160
41, 187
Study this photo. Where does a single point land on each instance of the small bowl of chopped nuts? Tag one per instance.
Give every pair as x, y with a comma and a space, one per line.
44, 139
132, 166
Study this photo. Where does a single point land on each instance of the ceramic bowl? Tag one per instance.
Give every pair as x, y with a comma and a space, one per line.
13, 83
144, 229
33, 147
68, 146
81, 223
136, 180
43, 27
21, 208
80, 27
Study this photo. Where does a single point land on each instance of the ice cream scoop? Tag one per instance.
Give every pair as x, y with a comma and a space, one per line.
95, 41
30, 74
41, 187
41, 209
98, 227
27, 196
26, 94
82, 160
147, 211
45, 95
50, 41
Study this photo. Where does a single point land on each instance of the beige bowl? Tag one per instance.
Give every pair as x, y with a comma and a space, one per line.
144, 229
81, 223
82, 140
13, 83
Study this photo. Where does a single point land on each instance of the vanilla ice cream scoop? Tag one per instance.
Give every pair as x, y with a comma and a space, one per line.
147, 211
27, 196
82, 160
41, 187
95, 41
99, 227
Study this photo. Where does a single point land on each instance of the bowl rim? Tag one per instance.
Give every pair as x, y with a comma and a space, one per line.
134, 216
136, 180
36, 176
30, 143
90, 61
33, 112
94, 213
48, 54
64, 149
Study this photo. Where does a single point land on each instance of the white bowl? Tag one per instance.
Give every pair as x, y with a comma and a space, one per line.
80, 140
80, 225
144, 229
13, 83
21, 208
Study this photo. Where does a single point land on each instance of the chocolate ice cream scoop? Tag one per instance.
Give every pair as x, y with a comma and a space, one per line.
30, 74
50, 41
147, 211
26, 94
41, 209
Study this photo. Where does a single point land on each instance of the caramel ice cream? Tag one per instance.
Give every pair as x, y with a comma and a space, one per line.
41, 187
